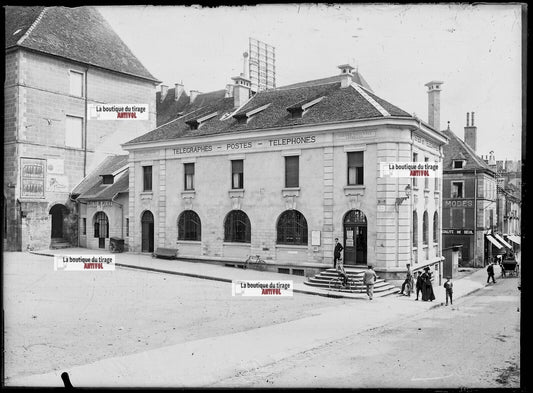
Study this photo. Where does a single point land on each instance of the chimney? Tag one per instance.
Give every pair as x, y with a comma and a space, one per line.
194, 94
229, 91
471, 133
164, 91
178, 90
241, 90
434, 104
346, 75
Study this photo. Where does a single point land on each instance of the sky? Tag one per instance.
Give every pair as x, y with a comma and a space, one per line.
474, 49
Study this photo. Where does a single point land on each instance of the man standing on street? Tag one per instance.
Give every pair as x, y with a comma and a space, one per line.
369, 278
408, 282
490, 273
337, 252
419, 283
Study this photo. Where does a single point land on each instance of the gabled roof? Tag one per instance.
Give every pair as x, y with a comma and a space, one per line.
91, 186
339, 104
80, 34
356, 77
170, 108
456, 149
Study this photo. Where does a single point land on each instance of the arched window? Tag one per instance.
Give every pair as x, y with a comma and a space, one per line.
415, 229
189, 226
237, 228
292, 228
435, 227
425, 228
101, 225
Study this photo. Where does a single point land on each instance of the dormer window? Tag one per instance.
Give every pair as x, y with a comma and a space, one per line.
244, 116
107, 179
194, 124
300, 108
458, 164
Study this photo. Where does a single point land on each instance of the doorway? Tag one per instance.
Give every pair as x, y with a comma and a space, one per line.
147, 232
101, 228
58, 213
355, 234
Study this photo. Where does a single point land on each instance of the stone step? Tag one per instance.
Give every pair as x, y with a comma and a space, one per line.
323, 280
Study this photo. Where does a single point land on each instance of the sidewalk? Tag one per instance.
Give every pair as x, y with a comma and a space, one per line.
190, 364
462, 287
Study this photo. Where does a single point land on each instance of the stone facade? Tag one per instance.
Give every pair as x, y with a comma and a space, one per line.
323, 196
38, 101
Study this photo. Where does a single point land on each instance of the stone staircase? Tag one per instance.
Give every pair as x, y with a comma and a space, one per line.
57, 243
324, 278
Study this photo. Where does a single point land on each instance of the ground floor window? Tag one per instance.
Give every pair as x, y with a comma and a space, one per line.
84, 226
189, 226
292, 228
237, 227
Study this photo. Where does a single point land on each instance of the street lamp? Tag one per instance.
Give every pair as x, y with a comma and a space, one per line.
400, 200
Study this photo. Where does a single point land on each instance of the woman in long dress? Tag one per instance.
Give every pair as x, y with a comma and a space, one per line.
427, 287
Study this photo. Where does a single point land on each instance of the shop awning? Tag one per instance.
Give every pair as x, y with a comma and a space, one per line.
502, 241
514, 239
493, 241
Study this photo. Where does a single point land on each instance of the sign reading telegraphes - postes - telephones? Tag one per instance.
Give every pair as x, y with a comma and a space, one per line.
32, 177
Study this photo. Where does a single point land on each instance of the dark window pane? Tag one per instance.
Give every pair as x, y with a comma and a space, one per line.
147, 178
237, 175
189, 176
189, 226
237, 227
292, 228
355, 168
101, 225
425, 228
415, 229
292, 171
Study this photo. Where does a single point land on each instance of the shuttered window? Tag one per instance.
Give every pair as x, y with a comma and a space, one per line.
355, 168
189, 176
237, 174
147, 178
292, 171
425, 228
415, 229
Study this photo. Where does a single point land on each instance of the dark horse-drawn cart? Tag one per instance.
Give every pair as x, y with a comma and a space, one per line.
509, 265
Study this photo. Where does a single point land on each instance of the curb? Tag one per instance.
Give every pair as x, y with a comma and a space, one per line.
212, 278
458, 297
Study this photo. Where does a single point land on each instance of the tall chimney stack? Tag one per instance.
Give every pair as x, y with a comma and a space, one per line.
194, 94
434, 104
471, 132
178, 90
164, 91
241, 90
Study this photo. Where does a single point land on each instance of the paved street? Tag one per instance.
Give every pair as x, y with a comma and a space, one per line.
138, 328
60, 319
475, 344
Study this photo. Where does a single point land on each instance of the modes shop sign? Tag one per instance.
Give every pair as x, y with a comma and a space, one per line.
118, 112
262, 288
84, 262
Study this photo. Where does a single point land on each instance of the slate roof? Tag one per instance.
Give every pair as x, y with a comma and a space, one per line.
356, 77
80, 34
91, 186
339, 104
171, 109
457, 149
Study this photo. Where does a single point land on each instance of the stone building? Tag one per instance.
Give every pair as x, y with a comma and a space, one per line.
59, 62
283, 173
102, 199
469, 198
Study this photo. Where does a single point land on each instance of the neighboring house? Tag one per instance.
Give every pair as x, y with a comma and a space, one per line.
282, 173
103, 203
59, 62
469, 199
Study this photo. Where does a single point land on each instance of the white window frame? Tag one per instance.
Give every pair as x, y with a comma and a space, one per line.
69, 138
74, 92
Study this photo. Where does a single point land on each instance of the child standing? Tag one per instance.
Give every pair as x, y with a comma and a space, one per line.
448, 286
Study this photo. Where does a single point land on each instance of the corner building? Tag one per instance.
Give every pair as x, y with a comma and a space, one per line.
282, 174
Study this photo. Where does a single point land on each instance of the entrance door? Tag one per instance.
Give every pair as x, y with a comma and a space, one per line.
147, 229
101, 228
57, 213
355, 233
